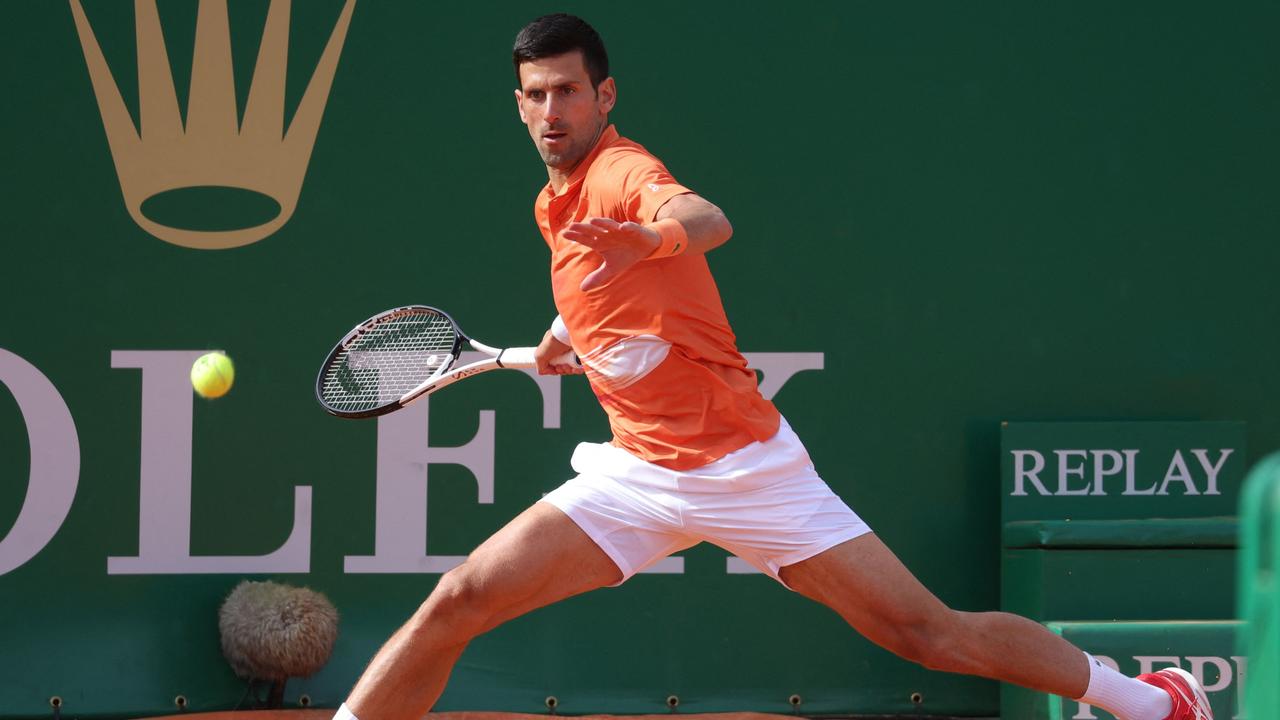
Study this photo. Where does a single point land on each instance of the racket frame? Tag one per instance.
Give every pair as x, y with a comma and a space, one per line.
451, 372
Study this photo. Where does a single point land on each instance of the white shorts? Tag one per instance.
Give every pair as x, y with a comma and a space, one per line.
763, 503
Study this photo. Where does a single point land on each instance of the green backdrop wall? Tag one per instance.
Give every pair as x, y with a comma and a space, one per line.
962, 213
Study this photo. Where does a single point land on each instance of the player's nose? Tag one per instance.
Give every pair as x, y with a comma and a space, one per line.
552, 109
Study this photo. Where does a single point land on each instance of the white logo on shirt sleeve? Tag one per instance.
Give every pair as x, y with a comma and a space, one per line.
654, 187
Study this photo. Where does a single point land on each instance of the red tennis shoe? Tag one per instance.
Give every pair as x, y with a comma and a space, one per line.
1189, 700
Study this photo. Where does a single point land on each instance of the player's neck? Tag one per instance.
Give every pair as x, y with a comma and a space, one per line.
560, 177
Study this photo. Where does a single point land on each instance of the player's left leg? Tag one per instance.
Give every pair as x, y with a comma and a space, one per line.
865, 583
869, 587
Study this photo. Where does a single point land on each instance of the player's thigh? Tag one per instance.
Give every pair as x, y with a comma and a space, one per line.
538, 558
867, 584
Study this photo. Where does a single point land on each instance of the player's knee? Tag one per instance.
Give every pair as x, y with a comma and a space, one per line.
457, 606
933, 641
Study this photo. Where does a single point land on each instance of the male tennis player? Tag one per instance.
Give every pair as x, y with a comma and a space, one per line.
697, 453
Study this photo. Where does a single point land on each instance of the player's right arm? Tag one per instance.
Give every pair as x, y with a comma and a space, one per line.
554, 344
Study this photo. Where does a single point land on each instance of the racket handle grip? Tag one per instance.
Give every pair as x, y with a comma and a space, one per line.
522, 357
569, 358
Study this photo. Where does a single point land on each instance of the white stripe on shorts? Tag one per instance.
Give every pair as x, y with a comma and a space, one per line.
763, 503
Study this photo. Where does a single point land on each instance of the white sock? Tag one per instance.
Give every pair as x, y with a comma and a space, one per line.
344, 713
1123, 696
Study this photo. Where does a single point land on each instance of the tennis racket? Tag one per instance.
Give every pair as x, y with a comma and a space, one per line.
398, 356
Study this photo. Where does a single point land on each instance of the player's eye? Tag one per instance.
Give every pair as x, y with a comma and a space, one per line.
535, 95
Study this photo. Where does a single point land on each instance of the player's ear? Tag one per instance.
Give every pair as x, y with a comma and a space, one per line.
520, 106
607, 94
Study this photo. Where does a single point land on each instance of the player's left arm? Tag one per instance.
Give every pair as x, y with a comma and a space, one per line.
685, 224
705, 224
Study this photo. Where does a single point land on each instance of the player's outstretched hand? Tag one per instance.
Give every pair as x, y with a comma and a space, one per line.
620, 245
549, 349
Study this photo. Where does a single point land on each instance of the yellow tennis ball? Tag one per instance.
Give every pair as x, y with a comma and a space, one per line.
212, 375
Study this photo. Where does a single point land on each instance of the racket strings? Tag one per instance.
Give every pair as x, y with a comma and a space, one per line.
387, 359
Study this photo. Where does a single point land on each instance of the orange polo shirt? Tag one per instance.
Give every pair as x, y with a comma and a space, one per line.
654, 340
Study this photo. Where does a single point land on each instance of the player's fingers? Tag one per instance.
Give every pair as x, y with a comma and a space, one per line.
606, 224
599, 227
599, 277
584, 227
590, 239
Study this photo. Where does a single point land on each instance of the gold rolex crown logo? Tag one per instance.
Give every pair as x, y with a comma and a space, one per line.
212, 150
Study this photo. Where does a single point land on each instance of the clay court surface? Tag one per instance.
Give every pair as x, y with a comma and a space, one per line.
328, 714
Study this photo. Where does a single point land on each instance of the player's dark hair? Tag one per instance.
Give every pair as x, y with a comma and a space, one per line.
557, 34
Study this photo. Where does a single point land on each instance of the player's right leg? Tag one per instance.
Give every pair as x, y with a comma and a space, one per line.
540, 557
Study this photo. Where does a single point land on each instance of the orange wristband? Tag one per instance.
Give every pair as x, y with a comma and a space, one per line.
674, 238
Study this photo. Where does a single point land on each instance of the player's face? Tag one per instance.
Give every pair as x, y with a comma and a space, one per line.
565, 115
